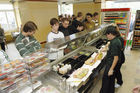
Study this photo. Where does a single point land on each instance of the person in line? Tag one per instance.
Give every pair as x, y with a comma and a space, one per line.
95, 19
89, 24
25, 42
118, 74
64, 28
113, 57
60, 17
55, 35
78, 19
73, 17
2, 37
79, 28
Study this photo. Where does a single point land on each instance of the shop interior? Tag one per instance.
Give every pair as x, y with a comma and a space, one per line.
73, 72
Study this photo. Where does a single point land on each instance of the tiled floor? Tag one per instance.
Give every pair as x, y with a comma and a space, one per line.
130, 69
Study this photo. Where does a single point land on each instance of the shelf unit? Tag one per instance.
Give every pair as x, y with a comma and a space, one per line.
119, 16
136, 33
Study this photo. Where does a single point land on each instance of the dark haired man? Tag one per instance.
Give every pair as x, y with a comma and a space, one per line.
112, 60
78, 19
89, 24
25, 42
95, 19
64, 28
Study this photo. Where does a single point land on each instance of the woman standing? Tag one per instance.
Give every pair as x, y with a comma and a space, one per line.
113, 58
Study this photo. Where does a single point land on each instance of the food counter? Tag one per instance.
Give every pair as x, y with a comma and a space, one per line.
76, 72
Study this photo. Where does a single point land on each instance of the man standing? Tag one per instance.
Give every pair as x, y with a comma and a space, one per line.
2, 36
64, 28
25, 42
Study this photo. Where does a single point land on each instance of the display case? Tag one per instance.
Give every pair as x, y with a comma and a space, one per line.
78, 69
19, 76
136, 33
119, 16
75, 72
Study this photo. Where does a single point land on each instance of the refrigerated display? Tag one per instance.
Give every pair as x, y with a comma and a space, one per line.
119, 16
136, 33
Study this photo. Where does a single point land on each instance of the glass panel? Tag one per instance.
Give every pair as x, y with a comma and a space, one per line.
3, 21
11, 20
6, 7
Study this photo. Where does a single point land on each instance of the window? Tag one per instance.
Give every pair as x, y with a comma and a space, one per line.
7, 17
65, 9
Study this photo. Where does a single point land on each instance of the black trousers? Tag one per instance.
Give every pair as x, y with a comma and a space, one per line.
118, 74
2, 46
108, 82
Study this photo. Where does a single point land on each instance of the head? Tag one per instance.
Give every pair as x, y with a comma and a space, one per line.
73, 17
80, 16
95, 15
66, 16
80, 26
54, 24
111, 32
89, 17
65, 22
30, 28
60, 17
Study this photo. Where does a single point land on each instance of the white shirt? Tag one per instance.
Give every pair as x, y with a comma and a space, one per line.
59, 52
96, 22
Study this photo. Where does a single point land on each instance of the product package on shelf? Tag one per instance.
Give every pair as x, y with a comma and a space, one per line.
13, 75
119, 16
37, 64
36, 60
136, 34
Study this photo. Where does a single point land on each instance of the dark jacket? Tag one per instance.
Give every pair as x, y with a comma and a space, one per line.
65, 31
2, 36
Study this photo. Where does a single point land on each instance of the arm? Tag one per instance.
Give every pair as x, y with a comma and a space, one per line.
115, 49
22, 49
37, 44
113, 65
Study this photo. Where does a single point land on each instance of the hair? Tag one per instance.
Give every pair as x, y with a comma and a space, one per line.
73, 15
29, 26
53, 21
89, 14
112, 30
95, 14
60, 16
79, 14
65, 19
80, 24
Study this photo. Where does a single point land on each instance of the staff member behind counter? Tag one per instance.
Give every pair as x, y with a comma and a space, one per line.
55, 35
112, 60
25, 42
